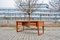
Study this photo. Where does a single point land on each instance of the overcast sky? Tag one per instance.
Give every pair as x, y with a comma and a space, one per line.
10, 3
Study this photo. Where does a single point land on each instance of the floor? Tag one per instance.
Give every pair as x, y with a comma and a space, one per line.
11, 34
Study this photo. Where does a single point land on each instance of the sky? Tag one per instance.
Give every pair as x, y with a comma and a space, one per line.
11, 3
7, 4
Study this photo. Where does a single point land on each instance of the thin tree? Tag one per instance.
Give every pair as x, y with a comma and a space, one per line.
7, 19
27, 6
56, 5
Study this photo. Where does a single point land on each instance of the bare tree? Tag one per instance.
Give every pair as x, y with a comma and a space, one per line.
56, 5
7, 19
27, 6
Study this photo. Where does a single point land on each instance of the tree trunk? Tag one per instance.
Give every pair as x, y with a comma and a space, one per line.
28, 20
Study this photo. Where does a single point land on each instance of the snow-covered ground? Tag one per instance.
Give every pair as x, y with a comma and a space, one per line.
51, 33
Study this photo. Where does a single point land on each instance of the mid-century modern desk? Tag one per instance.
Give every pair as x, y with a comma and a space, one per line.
27, 23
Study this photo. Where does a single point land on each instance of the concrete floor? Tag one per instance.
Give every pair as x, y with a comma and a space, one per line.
11, 34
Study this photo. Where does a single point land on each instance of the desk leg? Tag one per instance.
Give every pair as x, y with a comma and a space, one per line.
43, 29
38, 28
16, 27
23, 28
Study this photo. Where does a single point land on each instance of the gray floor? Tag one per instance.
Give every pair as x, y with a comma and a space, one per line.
11, 34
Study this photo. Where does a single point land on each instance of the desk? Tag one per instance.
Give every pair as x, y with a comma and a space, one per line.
27, 23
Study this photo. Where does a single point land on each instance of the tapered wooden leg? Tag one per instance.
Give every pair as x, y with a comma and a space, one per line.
16, 27
38, 28
23, 28
43, 29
